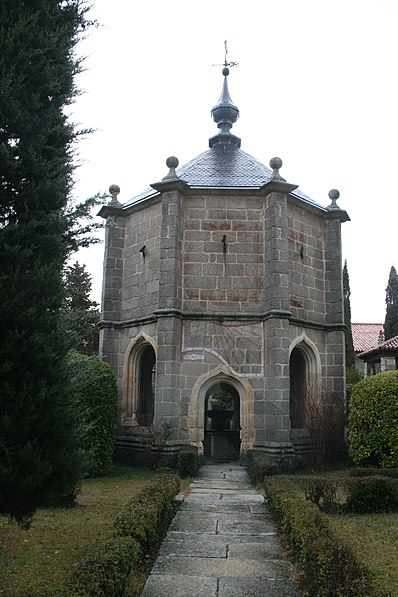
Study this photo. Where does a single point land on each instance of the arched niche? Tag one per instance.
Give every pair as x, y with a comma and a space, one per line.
304, 374
139, 382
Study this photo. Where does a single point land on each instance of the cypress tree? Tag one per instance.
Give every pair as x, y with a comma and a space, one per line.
80, 314
349, 345
39, 463
391, 320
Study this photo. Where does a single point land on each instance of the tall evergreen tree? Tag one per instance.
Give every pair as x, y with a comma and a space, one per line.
349, 345
38, 459
80, 314
391, 320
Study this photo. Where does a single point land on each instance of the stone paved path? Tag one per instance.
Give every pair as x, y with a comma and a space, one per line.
221, 543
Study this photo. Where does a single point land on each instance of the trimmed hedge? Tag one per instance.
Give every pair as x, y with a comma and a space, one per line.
329, 567
320, 491
363, 495
138, 530
188, 463
148, 514
373, 421
371, 470
259, 466
366, 495
106, 572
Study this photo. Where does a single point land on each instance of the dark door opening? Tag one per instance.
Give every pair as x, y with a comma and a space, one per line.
145, 406
297, 389
222, 424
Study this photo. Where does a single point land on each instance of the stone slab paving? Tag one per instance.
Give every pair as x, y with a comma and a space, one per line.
221, 543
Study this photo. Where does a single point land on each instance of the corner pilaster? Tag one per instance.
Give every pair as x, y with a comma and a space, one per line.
170, 275
168, 314
333, 261
276, 286
113, 269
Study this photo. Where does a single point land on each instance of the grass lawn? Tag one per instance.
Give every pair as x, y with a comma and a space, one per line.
36, 561
374, 538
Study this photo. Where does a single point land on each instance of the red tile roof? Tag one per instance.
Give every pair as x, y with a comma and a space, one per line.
389, 346
391, 343
365, 335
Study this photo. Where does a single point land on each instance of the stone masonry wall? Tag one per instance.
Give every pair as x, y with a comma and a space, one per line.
223, 276
306, 265
140, 291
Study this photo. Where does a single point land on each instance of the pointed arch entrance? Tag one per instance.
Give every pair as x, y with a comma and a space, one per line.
221, 390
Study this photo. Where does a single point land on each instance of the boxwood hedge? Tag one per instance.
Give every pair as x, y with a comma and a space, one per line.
138, 530
329, 567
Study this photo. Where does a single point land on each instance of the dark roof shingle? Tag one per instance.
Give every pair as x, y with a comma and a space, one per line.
223, 166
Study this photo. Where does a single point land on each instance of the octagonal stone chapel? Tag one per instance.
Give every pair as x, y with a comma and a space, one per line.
222, 304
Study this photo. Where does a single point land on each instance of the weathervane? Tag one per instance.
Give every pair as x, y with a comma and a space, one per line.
226, 63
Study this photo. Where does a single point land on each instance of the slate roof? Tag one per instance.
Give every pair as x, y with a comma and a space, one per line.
365, 335
223, 166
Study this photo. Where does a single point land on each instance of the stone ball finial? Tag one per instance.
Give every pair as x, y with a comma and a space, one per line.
172, 163
276, 163
334, 194
114, 191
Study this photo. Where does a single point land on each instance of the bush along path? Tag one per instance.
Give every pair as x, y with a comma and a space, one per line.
221, 543
328, 567
138, 530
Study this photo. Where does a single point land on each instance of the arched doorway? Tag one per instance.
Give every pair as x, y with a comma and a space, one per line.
222, 423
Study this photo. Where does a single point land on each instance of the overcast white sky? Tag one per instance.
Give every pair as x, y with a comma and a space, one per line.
316, 85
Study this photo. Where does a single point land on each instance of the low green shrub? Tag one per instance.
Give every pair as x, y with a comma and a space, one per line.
188, 463
105, 573
372, 470
321, 491
138, 529
363, 495
329, 568
137, 520
145, 517
259, 466
371, 494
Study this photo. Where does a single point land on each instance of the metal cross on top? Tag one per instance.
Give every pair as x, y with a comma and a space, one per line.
226, 63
